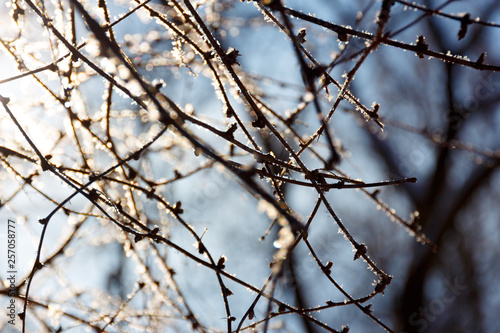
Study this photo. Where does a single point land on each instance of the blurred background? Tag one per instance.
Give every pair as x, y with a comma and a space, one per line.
437, 238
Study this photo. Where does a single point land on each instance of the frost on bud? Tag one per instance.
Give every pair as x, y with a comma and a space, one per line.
374, 112
86, 122
132, 174
197, 151
44, 164
384, 282
231, 56
94, 176
150, 194
136, 156
227, 292
273, 4
201, 248
138, 238
4, 100
93, 195
220, 263
301, 36
258, 123
177, 208
464, 24
328, 268
421, 46
251, 314
39, 265
229, 133
480, 60
229, 111
360, 251
17, 12
342, 36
